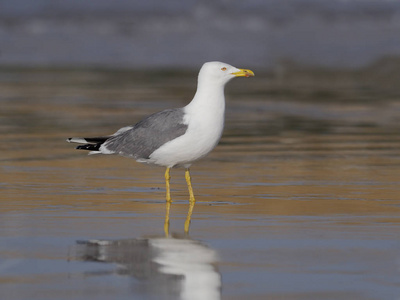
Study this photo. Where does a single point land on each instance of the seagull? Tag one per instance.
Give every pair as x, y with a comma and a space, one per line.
175, 137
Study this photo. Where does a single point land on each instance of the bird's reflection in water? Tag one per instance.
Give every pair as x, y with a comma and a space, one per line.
187, 221
174, 268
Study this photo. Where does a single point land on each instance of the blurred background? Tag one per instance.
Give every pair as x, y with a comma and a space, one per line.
302, 51
262, 34
301, 197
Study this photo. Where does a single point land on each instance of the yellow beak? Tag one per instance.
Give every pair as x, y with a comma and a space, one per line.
243, 73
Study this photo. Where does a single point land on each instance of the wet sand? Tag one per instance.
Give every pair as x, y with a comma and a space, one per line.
299, 201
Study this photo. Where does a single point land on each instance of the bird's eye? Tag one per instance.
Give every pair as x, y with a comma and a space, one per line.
223, 69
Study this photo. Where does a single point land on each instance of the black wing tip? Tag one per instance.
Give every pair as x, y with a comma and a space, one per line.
90, 147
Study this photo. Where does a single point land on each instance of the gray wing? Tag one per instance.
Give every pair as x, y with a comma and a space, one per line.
148, 135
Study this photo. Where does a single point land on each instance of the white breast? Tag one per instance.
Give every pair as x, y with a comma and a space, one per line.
203, 134
204, 116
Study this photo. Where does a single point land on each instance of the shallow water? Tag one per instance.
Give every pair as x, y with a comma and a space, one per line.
299, 201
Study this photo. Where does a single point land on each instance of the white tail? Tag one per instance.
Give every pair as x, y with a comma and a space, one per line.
76, 140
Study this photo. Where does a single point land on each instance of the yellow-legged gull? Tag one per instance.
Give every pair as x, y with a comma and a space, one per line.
175, 137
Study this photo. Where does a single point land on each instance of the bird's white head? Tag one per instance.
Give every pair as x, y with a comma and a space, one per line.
220, 73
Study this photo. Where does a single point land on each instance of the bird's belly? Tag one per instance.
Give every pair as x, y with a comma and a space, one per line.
196, 143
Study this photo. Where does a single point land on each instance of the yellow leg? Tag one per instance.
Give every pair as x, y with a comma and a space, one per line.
166, 223
189, 217
168, 202
192, 201
189, 184
167, 179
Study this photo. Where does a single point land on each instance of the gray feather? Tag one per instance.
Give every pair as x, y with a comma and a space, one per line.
148, 135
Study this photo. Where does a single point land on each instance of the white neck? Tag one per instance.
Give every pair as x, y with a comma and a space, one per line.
209, 97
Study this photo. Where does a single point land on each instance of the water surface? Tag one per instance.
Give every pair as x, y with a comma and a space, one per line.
299, 201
